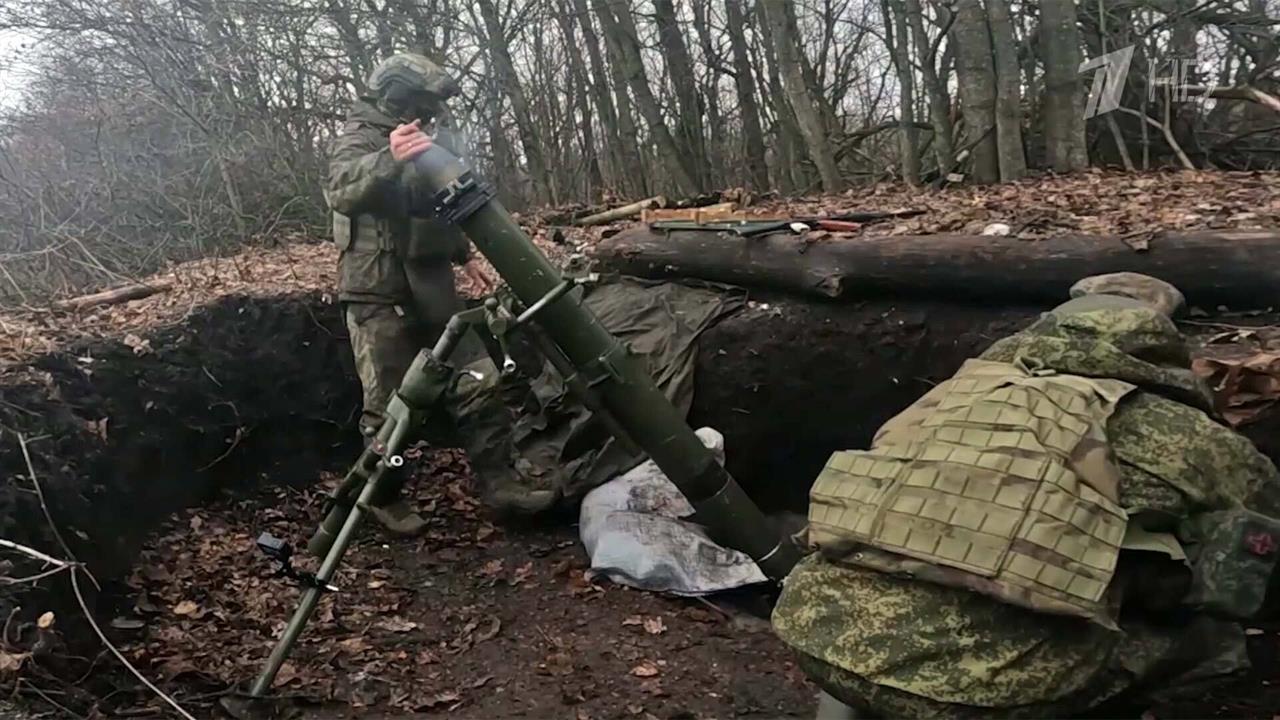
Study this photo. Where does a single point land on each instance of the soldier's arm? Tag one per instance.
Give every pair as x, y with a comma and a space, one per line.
363, 176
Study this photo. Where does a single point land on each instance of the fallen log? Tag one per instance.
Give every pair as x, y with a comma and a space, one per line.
620, 213
1237, 268
115, 296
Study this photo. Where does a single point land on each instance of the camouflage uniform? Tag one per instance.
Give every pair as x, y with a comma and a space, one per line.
1200, 504
394, 275
396, 283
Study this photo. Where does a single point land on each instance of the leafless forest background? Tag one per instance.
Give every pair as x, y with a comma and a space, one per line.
157, 130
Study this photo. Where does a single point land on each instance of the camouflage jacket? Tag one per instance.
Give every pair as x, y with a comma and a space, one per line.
1178, 467
380, 218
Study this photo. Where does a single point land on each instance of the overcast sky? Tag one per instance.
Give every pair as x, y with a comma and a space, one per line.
12, 66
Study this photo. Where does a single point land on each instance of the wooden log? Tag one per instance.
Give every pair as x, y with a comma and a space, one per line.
115, 296
620, 213
1237, 268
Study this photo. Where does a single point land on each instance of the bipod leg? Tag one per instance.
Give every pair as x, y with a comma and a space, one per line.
426, 381
311, 596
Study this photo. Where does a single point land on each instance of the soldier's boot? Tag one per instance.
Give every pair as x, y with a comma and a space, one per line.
830, 708
389, 508
398, 518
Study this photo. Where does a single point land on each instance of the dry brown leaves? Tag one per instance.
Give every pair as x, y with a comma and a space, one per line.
1132, 206
1096, 203
298, 267
1242, 366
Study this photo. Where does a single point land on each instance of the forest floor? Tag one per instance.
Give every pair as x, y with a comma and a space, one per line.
471, 619
475, 621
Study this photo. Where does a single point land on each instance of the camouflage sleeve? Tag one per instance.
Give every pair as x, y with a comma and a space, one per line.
363, 177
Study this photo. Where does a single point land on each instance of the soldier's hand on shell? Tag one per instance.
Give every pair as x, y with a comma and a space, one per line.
408, 141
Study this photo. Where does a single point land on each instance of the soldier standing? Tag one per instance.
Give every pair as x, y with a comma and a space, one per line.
395, 275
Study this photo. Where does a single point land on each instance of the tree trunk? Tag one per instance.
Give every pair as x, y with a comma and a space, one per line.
1063, 116
895, 34
939, 99
689, 133
977, 83
752, 134
710, 94
615, 16
630, 163
578, 82
615, 165
1012, 157
504, 69
786, 39
1236, 268
789, 174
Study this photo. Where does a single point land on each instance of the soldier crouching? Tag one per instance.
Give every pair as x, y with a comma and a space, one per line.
1062, 523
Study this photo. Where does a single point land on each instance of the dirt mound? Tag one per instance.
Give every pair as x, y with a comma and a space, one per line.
122, 434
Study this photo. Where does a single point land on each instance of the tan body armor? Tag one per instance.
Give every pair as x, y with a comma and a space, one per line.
998, 480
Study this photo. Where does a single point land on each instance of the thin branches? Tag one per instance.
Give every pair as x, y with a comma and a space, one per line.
74, 569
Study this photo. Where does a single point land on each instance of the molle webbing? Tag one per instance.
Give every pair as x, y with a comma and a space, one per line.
998, 480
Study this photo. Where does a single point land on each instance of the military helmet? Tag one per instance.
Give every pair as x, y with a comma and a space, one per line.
406, 81
1162, 296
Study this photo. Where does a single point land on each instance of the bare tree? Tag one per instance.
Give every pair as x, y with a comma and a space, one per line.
743, 74
619, 25
899, 47
1004, 46
786, 46
976, 78
689, 132
1064, 126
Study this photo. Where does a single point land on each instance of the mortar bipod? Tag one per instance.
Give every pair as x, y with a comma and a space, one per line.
424, 385
426, 382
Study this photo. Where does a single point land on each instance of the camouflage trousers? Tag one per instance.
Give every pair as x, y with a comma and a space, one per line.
1148, 665
385, 338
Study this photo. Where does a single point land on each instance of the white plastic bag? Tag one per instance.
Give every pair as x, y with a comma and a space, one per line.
633, 531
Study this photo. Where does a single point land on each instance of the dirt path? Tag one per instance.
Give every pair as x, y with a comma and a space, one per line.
470, 620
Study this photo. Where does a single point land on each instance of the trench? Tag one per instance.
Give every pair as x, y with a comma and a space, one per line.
252, 392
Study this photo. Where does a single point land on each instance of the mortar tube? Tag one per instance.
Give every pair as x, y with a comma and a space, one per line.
608, 367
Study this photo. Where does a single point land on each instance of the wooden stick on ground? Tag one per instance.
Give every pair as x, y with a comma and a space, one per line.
115, 296
620, 213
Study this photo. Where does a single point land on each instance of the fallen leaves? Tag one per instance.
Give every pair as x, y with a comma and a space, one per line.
646, 669
557, 664
397, 624
490, 630
1243, 388
11, 663
186, 608
652, 625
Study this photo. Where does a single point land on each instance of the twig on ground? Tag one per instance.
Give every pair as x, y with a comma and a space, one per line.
62, 564
45, 697
234, 442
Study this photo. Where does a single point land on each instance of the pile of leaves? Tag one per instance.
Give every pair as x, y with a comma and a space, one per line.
1242, 366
